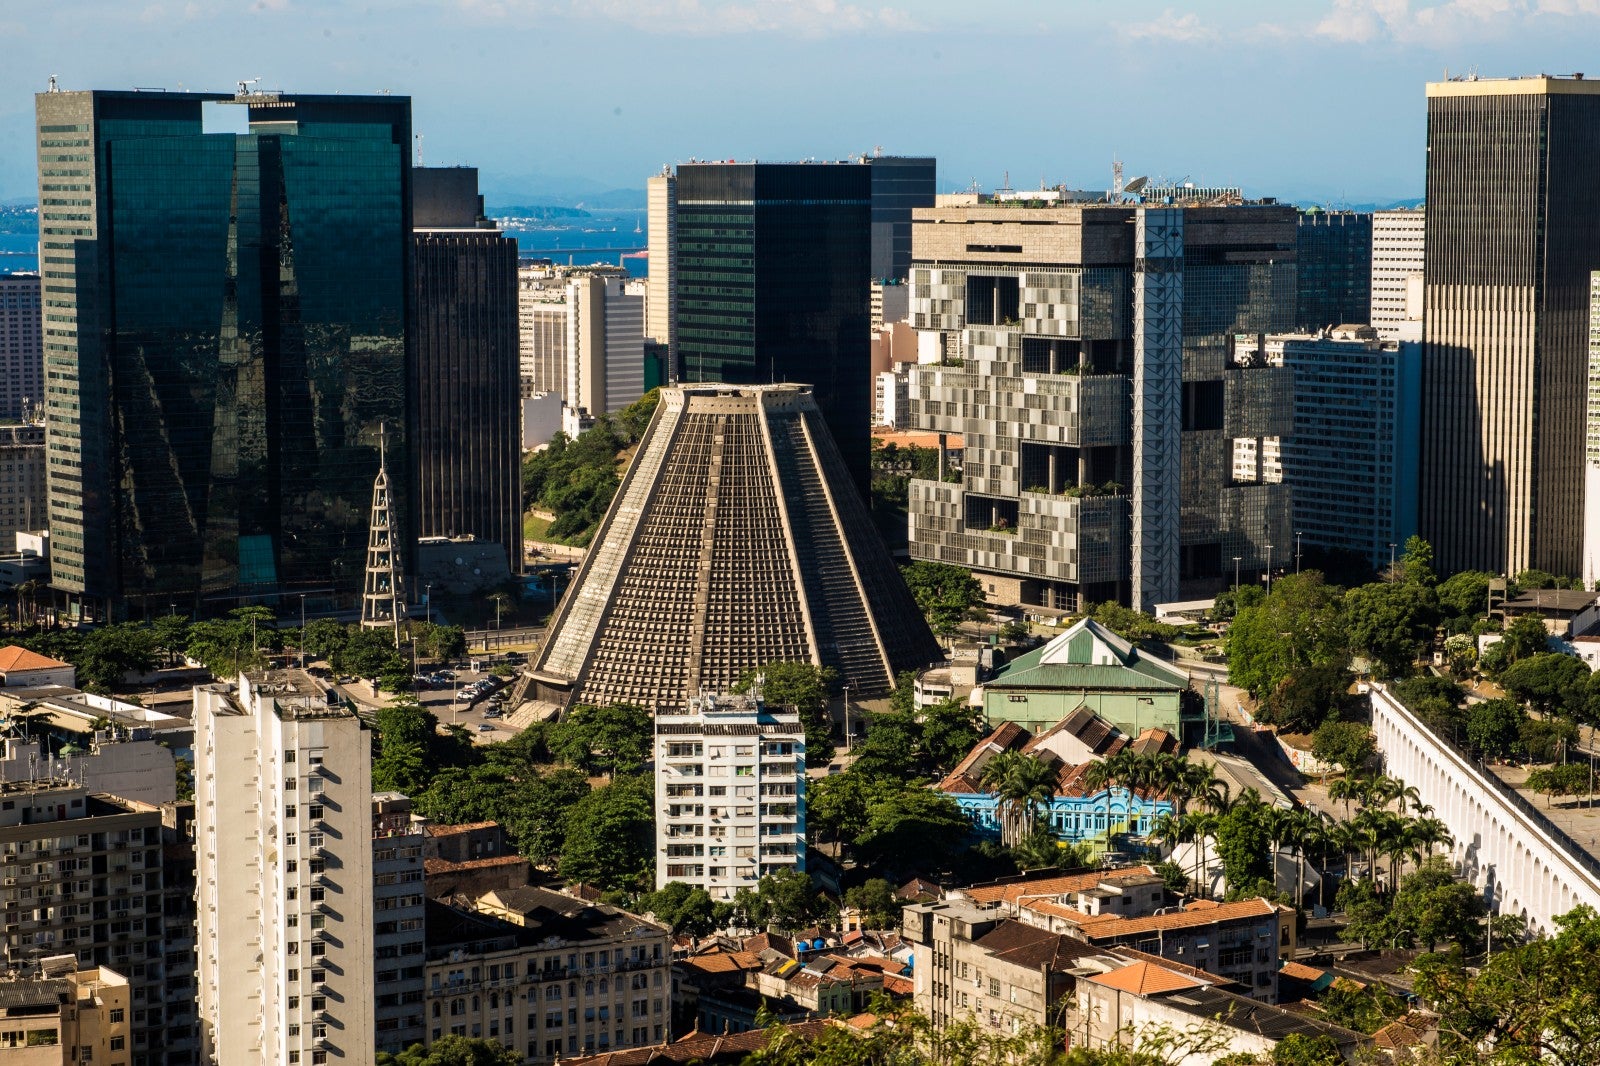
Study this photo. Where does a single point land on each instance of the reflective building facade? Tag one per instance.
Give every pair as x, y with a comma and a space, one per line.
1511, 236
228, 282
1333, 262
467, 443
771, 282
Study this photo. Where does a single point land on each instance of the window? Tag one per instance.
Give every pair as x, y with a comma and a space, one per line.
314, 812
318, 865
318, 949
117, 1015
289, 810
289, 840
314, 839
318, 976
319, 1031
291, 866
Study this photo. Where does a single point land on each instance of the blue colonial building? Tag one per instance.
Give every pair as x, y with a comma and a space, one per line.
1076, 813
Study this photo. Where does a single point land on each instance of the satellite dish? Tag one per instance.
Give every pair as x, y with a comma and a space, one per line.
1136, 184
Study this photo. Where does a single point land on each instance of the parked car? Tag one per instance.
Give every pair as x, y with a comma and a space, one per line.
485, 727
494, 712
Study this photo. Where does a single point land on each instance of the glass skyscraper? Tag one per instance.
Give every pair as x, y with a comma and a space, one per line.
227, 284
1333, 258
771, 279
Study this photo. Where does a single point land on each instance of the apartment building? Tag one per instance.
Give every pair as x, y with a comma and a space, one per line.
82, 873
284, 848
547, 974
1399, 238
398, 915
730, 794
64, 1015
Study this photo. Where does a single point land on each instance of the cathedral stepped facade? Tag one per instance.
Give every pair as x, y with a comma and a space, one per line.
737, 538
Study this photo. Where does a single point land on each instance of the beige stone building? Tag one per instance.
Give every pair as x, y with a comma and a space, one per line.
65, 1015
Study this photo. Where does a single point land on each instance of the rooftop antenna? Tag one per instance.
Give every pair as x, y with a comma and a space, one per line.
53, 87
244, 86
1116, 179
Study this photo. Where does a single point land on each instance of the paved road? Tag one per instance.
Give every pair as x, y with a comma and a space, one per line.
443, 703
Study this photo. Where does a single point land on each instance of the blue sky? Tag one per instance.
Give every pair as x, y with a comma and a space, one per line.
1310, 99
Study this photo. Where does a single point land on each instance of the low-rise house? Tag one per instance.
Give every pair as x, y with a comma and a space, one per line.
65, 1015
1075, 812
1088, 666
21, 668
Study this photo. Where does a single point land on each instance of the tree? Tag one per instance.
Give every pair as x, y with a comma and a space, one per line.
453, 1051
1391, 622
805, 688
1550, 682
1021, 785
892, 748
610, 836
1303, 700
406, 759
613, 739
371, 654
685, 909
1298, 1049
1544, 739
1537, 1002
949, 730
910, 829
1366, 1010
1131, 624
324, 638
947, 595
112, 651
875, 899
1524, 637
224, 646
1300, 624
1243, 845
1465, 595
1432, 906
788, 900
1436, 700
1349, 744
1493, 727
1416, 563
1565, 779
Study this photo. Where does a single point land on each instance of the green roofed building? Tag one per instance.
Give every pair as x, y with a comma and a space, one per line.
1090, 667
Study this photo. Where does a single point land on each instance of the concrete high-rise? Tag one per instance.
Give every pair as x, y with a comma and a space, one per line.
1351, 462
770, 273
225, 336
466, 434
1512, 234
730, 793
1591, 446
83, 875
661, 197
284, 846
1333, 269
21, 351
22, 481
1083, 353
1398, 241
582, 337
735, 540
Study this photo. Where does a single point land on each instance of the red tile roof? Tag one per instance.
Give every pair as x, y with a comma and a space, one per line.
1146, 978
13, 657
1052, 885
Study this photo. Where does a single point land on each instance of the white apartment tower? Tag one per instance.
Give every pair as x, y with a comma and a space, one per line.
1397, 246
662, 237
1591, 445
730, 794
283, 848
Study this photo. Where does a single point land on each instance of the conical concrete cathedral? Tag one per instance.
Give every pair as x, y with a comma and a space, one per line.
736, 539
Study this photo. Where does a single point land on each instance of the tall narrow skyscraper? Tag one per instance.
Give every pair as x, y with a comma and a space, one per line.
1398, 241
21, 333
900, 184
771, 271
466, 434
1333, 267
227, 332
1512, 234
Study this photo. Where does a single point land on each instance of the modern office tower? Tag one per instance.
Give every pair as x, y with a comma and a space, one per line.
661, 240
735, 540
1351, 462
730, 794
283, 839
466, 436
399, 914
1083, 355
225, 335
1512, 235
1398, 239
1333, 266
21, 351
83, 875
1591, 446
22, 481
770, 270
900, 184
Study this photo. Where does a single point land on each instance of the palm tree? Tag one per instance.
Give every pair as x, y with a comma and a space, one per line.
1347, 788
1021, 784
1197, 828
1193, 780
1426, 834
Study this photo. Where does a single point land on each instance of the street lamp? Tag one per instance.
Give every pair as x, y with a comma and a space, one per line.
427, 600
1236, 559
1391, 560
1297, 552
1269, 569
302, 631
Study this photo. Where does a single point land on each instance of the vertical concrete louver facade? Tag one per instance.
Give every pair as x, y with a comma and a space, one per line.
1511, 237
736, 539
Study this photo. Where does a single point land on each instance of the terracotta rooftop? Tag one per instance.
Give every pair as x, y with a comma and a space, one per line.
13, 657
724, 962
698, 1047
1187, 918
967, 777
1146, 979
896, 985
1301, 972
452, 830
1033, 948
1052, 884
444, 866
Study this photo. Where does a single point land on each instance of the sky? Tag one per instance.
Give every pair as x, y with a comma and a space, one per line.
1303, 99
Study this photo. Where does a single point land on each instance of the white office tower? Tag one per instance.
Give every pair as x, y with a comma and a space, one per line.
1591, 450
283, 847
1397, 247
730, 794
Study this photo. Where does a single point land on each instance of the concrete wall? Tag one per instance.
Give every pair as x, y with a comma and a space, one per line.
1510, 851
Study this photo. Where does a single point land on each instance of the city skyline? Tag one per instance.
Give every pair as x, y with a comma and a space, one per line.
1346, 79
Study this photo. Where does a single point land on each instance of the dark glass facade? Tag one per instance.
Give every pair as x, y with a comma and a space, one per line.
467, 437
1512, 234
1333, 254
899, 184
772, 275
233, 321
